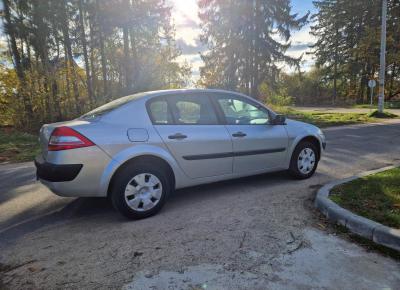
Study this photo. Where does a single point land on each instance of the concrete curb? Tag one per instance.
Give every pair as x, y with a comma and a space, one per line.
364, 227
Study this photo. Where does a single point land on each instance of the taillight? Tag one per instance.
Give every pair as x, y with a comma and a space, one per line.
65, 138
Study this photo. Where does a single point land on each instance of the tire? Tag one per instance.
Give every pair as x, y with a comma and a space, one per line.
133, 190
297, 168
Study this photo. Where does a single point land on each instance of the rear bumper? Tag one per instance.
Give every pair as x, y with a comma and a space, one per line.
75, 172
57, 172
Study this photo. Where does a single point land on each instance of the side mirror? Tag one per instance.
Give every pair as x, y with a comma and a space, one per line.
279, 120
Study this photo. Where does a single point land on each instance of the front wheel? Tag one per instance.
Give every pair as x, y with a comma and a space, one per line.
140, 190
304, 160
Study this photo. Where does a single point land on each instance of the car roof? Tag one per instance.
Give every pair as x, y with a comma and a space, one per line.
146, 96
151, 94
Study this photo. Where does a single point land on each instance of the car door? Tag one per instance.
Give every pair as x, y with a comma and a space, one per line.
189, 126
257, 145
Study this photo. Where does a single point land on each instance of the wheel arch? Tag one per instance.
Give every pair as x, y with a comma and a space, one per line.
312, 139
153, 159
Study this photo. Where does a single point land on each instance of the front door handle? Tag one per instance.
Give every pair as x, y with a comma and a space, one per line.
239, 134
177, 136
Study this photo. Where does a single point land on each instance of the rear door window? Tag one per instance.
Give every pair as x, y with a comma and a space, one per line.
193, 110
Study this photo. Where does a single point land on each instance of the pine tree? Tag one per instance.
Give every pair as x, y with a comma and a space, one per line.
247, 40
348, 44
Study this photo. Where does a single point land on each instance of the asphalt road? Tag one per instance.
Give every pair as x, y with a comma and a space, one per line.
22, 198
253, 233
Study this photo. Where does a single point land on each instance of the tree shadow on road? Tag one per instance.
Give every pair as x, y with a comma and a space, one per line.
78, 208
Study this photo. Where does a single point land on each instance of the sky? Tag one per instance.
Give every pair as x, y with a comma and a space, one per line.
187, 24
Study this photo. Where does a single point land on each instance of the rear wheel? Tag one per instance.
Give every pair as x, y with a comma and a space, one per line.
140, 190
304, 160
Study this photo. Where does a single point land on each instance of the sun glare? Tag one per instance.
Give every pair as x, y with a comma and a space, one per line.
184, 11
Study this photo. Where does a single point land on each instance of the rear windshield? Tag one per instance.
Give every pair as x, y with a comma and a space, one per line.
110, 106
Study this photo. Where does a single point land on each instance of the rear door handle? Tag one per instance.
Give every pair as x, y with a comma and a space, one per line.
177, 136
239, 134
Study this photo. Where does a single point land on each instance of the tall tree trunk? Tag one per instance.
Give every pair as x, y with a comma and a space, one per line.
93, 73
55, 98
67, 80
335, 72
103, 66
70, 57
391, 81
85, 53
54, 87
256, 49
125, 34
133, 57
103, 57
335, 68
31, 80
71, 65
17, 63
361, 90
230, 74
41, 35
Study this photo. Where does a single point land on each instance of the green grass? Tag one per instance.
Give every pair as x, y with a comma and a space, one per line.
365, 106
324, 120
16, 146
376, 197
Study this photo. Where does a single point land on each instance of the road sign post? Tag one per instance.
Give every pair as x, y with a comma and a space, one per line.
372, 85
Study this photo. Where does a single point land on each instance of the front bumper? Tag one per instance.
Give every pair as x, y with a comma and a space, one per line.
57, 172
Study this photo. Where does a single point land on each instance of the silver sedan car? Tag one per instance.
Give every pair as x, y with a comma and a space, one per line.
138, 149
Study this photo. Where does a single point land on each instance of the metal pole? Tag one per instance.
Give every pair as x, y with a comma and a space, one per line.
381, 98
372, 96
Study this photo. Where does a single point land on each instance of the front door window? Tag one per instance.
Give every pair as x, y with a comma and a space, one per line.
239, 112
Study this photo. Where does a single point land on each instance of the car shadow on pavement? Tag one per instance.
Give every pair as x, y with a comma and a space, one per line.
209, 191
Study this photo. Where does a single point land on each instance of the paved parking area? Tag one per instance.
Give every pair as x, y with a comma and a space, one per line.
253, 233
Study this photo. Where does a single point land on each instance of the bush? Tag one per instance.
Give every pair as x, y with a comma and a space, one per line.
278, 98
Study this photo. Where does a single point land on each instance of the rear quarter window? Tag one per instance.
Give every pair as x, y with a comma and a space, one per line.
159, 112
109, 107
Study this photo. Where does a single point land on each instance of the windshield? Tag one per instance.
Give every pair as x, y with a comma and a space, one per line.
110, 106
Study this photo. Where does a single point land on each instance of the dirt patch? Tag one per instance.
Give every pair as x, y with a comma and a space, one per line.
316, 253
